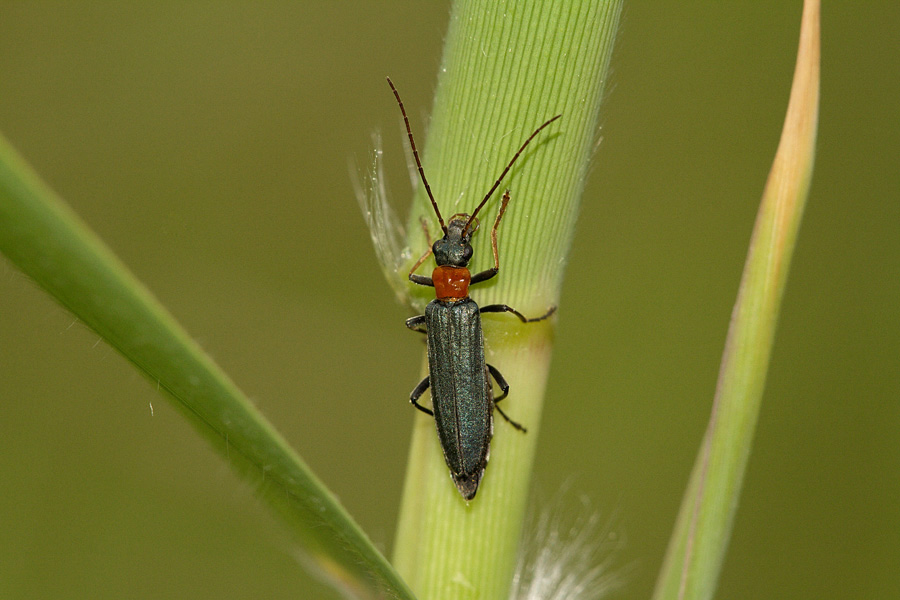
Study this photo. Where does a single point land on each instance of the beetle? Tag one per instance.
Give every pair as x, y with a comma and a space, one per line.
462, 395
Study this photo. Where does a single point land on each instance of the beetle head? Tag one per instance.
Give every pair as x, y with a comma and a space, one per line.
454, 248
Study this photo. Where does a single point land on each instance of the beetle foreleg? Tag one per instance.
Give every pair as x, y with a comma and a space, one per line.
484, 275
501, 381
417, 393
422, 279
499, 308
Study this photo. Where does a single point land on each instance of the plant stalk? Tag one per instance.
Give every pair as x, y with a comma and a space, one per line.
700, 540
507, 68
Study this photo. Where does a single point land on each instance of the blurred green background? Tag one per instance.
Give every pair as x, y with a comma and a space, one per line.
209, 144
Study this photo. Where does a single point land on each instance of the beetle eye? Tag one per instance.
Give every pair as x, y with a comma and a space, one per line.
467, 253
434, 247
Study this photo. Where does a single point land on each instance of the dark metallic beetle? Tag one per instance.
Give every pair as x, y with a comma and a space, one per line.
462, 395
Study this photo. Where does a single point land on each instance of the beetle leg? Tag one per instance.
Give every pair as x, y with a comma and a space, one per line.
505, 387
488, 273
498, 308
422, 279
416, 323
484, 275
417, 393
424, 222
501, 381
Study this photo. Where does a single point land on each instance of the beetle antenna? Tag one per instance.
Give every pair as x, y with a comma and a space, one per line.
412, 143
505, 171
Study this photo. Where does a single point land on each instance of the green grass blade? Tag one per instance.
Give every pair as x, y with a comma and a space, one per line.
46, 240
701, 535
507, 68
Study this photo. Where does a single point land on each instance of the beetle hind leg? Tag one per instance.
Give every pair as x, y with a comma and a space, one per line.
501, 381
417, 393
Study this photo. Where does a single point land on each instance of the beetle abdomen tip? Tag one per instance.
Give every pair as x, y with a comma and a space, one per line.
467, 484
